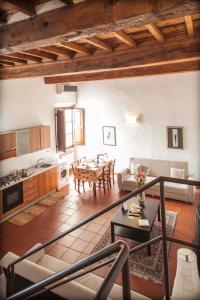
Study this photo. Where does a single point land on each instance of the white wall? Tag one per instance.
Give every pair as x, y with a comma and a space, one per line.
167, 100
25, 103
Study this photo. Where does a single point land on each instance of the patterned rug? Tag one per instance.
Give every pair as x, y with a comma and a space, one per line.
34, 210
48, 201
21, 219
142, 265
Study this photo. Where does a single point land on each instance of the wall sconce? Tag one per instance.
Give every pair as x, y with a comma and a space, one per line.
132, 118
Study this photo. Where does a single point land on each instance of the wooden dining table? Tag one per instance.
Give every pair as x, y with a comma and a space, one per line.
90, 172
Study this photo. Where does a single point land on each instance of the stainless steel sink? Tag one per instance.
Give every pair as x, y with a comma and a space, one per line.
45, 166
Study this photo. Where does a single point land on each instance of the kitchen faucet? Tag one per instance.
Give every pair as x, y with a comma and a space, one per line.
37, 163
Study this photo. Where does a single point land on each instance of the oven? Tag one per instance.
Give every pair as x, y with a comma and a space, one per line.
12, 196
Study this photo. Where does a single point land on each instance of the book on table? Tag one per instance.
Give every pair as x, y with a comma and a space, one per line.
143, 222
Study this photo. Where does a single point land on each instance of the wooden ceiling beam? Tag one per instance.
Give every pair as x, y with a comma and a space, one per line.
58, 51
75, 47
26, 57
189, 26
98, 43
142, 71
41, 54
14, 59
157, 34
87, 19
7, 63
124, 38
161, 54
23, 6
68, 2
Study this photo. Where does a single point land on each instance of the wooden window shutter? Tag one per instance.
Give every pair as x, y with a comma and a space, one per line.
79, 126
60, 130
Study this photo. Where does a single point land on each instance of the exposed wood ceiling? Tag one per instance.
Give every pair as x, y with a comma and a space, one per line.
91, 39
10, 9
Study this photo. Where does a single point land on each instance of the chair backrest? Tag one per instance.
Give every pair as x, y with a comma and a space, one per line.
112, 166
105, 172
74, 166
82, 159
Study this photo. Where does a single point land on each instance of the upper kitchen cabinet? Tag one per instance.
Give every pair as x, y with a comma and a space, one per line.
7, 145
45, 137
23, 141
34, 139
39, 138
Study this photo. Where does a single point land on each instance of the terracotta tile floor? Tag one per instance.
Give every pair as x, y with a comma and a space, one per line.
68, 211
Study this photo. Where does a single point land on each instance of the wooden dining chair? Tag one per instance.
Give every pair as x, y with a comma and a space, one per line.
103, 179
112, 171
77, 181
74, 165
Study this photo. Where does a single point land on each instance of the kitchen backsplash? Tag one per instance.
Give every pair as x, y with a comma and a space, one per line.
25, 161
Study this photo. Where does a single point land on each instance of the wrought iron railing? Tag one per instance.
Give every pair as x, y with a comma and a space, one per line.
107, 284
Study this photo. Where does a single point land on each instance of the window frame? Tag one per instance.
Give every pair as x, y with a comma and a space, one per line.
63, 147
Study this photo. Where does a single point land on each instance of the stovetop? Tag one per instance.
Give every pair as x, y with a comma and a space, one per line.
9, 179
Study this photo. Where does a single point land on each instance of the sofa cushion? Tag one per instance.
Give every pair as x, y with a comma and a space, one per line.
129, 180
35, 273
177, 173
36, 256
133, 167
52, 263
176, 188
90, 280
3, 283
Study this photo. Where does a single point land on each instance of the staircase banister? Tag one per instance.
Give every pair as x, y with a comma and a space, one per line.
94, 216
164, 237
119, 246
104, 210
179, 180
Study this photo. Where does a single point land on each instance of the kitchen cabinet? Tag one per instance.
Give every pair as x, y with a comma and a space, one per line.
46, 182
24, 141
42, 184
7, 145
39, 138
34, 188
52, 179
34, 139
45, 139
30, 190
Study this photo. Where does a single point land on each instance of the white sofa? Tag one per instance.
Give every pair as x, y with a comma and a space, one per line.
40, 265
127, 182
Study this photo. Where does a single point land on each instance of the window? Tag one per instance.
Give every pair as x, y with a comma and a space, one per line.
69, 127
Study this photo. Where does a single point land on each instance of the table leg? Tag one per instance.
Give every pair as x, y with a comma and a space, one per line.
112, 233
149, 250
149, 247
94, 188
79, 186
159, 214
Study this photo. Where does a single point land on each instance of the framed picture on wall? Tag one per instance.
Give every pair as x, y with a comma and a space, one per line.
109, 135
175, 137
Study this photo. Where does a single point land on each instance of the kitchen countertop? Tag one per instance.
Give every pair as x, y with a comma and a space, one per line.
35, 171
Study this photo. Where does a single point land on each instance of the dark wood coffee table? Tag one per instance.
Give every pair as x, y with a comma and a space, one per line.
124, 226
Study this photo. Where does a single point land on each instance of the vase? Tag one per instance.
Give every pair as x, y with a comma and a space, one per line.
141, 198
